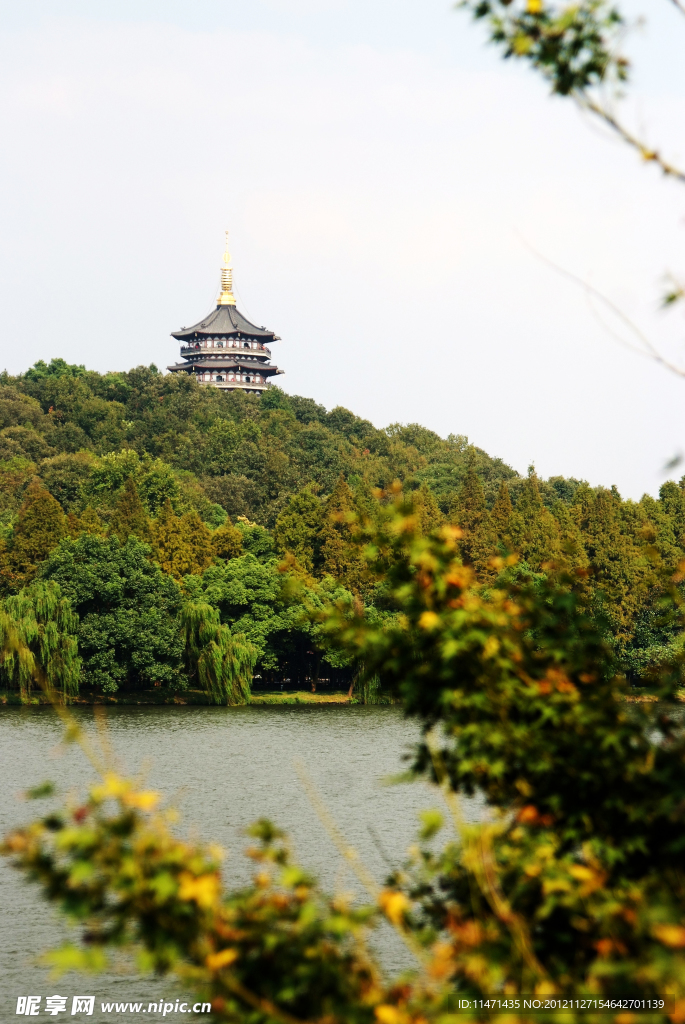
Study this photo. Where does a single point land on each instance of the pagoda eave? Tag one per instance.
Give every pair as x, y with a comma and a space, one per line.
225, 367
224, 321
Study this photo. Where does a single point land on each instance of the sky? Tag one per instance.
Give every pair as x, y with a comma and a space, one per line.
395, 194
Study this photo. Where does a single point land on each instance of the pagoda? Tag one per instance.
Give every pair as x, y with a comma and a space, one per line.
225, 350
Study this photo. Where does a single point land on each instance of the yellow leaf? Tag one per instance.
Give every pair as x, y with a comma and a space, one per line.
386, 1014
113, 788
534, 6
670, 935
394, 905
491, 647
203, 890
215, 961
581, 873
144, 801
429, 620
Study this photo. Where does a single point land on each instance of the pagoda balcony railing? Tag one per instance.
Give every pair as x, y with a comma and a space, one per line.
201, 350
263, 385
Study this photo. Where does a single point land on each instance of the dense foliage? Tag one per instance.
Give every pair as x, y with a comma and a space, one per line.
137, 492
572, 885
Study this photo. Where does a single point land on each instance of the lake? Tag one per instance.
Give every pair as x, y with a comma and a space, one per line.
224, 767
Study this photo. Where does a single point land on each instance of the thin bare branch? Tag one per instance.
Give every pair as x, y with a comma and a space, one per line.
349, 854
680, 6
649, 349
647, 153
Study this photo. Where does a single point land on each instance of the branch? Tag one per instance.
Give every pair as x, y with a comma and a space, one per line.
483, 864
648, 154
265, 1006
649, 350
350, 855
679, 5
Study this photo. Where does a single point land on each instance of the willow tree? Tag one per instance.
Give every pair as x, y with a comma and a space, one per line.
221, 662
38, 644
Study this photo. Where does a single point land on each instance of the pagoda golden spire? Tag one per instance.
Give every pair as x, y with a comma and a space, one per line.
226, 298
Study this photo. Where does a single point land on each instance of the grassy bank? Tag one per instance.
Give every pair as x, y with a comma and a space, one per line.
160, 696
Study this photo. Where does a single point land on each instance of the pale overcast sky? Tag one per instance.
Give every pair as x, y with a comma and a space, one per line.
381, 172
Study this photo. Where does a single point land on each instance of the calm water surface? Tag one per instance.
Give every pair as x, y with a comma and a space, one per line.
224, 767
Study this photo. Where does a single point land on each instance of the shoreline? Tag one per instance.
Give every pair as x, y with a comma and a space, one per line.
197, 698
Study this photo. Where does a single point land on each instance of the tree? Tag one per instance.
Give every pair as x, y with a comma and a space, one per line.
621, 575
128, 633
534, 530
222, 663
250, 596
90, 522
129, 518
525, 691
40, 527
227, 541
174, 544
500, 516
298, 527
427, 509
469, 511
200, 539
38, 642
66, 476
339, 556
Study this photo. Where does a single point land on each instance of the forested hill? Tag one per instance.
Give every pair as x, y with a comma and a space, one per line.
246, 453
128, 495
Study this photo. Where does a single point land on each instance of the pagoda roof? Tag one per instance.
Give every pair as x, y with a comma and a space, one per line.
208, 363
224, 320
268, 369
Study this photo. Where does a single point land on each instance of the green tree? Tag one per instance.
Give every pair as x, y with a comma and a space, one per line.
250, 596
582, 791
339, 556
129, 518
200, 539
221, 663
298, 527
534, 530
667, 518
40, 527
427, 509
90, 522
173, 543
129, 635
500, 516
469, 512
45, 647
621, 575
67, 476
